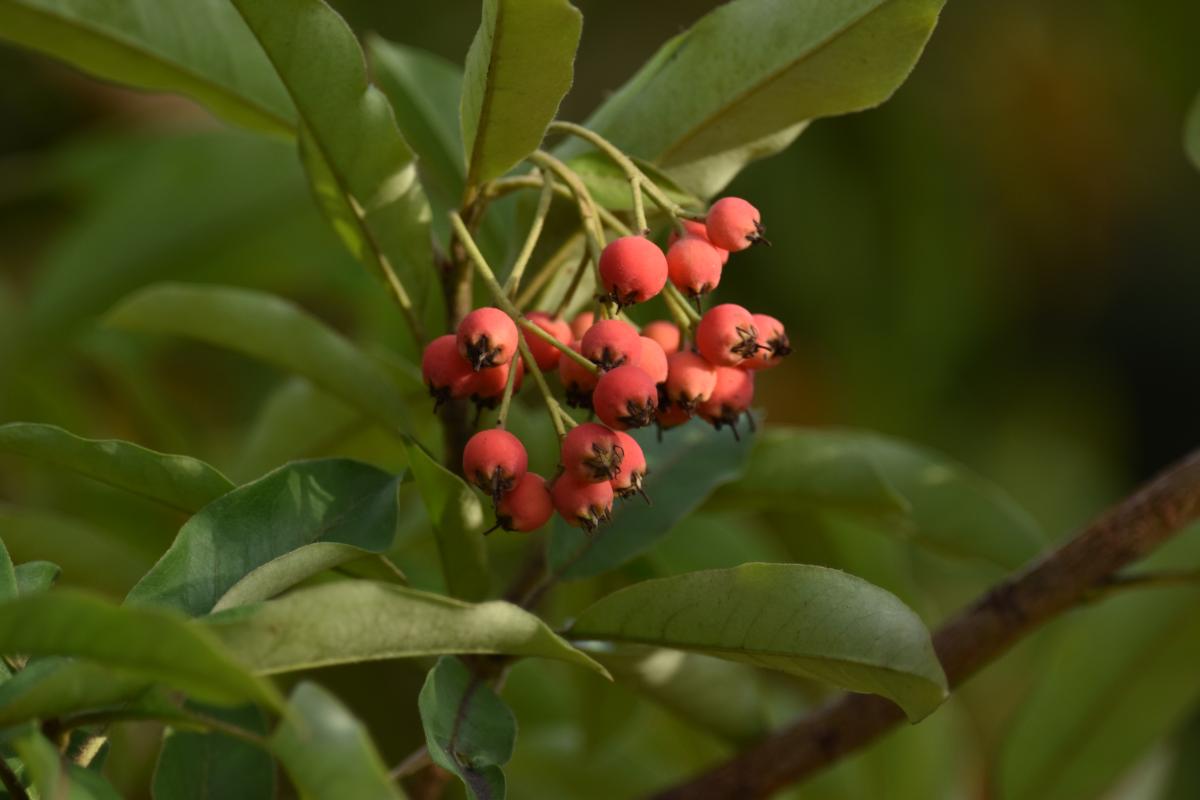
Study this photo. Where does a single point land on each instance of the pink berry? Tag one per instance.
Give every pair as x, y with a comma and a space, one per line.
694, 266
487, 337
665, 333
527, 506
671, 416
629, 479
734, 224
691, 379
610, 343
446, 373
773, 343
632, 269
583, 320
699, 231
653, 361
726, 335
730, 399
578, 381
591, 452
486, 386
494, 460
582, 504
625, 397
545, 354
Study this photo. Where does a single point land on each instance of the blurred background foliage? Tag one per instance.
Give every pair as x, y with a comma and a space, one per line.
1003, 262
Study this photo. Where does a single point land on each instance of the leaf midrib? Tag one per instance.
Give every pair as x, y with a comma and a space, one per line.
485, 104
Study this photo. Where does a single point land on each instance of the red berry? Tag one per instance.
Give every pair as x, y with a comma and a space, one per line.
610, 343
671, 416
545, 354
591, 452
734, 224
726, 335
527, 506
653, 361
690, 379
578, 381
632, 269
730, 399
487, 337
583, 320
486, 387
494, 460
699, 231
625, 397
633, 467
773, 343
665, 333
694, 266
446, 373
582, 504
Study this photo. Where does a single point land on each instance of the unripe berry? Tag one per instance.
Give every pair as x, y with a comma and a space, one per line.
734, 224
527, 506
494, 460
446, 373
726, 335
653, 361
730, 399
699, 231
591, 452
545, 354
691, 379
632, 269
486, 387
665, 333
625, 397
694, 266
578, 381
628, 480
582, 504
773, 343
487, 337
610, 343
583, 320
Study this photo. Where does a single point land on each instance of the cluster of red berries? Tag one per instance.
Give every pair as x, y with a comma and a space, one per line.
640, 377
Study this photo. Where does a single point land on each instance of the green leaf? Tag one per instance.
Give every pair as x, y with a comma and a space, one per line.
271, 533
902, 489
610, 188
36, 576
54, 778
683, 469
195, 765
270, 329
363, 174
741, 82
458, 520
179, 482
9, 588
805, 620
1191, 133
198, 48
350, 621
148, 643
327, 752
468, 728
53, 686
518, 69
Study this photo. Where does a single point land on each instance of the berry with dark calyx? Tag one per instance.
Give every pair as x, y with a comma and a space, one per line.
665, 333
694, 266
487, 337
653, 361
486, 387
699, 231
730, 399
625, 397
494, 460
734, 224
628, 481
726, 335
691, 380
583, 320
672, 415
527, 506
446, 373
577, 381
582, 504
545, 354
633, 270
591, 452
773, 343
610, 343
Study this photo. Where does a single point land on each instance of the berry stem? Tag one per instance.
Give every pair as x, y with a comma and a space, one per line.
576, 279
506, 399
503, 186
588, 214
557, 261
531, 239
672, 292
678, 313
552, 407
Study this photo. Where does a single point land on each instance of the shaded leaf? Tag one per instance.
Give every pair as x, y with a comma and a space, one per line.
52, 686
810, 621
53, 777
36, 576
197, 765
9, 588
610, 188
1191, 133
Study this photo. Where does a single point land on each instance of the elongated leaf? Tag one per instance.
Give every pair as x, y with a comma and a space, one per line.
144, 642
296, 421
9, 588
740, 83
683, 469
330, 501
327, 752
198, 48
518, 69
36, 576
458, 520
195, 765
270, 329
179, 482
351, 621
610, 188
805, 620
54, 778
468, 729
1191, 133
52, 686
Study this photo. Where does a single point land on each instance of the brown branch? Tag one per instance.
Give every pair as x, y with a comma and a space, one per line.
1054, 583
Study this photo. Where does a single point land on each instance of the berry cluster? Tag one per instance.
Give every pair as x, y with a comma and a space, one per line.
626, 377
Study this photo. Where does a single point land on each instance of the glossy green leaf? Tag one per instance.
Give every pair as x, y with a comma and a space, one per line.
1191, 133
53, 686
198, 48
148, 643
805, 620
36, 576
518, 69
610, 188
179, 482
468, 728
55, 778
684, 468
741, 82
253, 542
9, 588
197, 765
328, 753
349, 621
458, 520
270, 329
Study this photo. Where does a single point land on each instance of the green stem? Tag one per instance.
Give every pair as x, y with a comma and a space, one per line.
553, 265
552, 407
588, 214
576, 279
503, 186
506, 400
678, 313
531, 239
632, 173
672, 292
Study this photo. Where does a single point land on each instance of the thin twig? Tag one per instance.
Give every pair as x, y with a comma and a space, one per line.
531, 239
